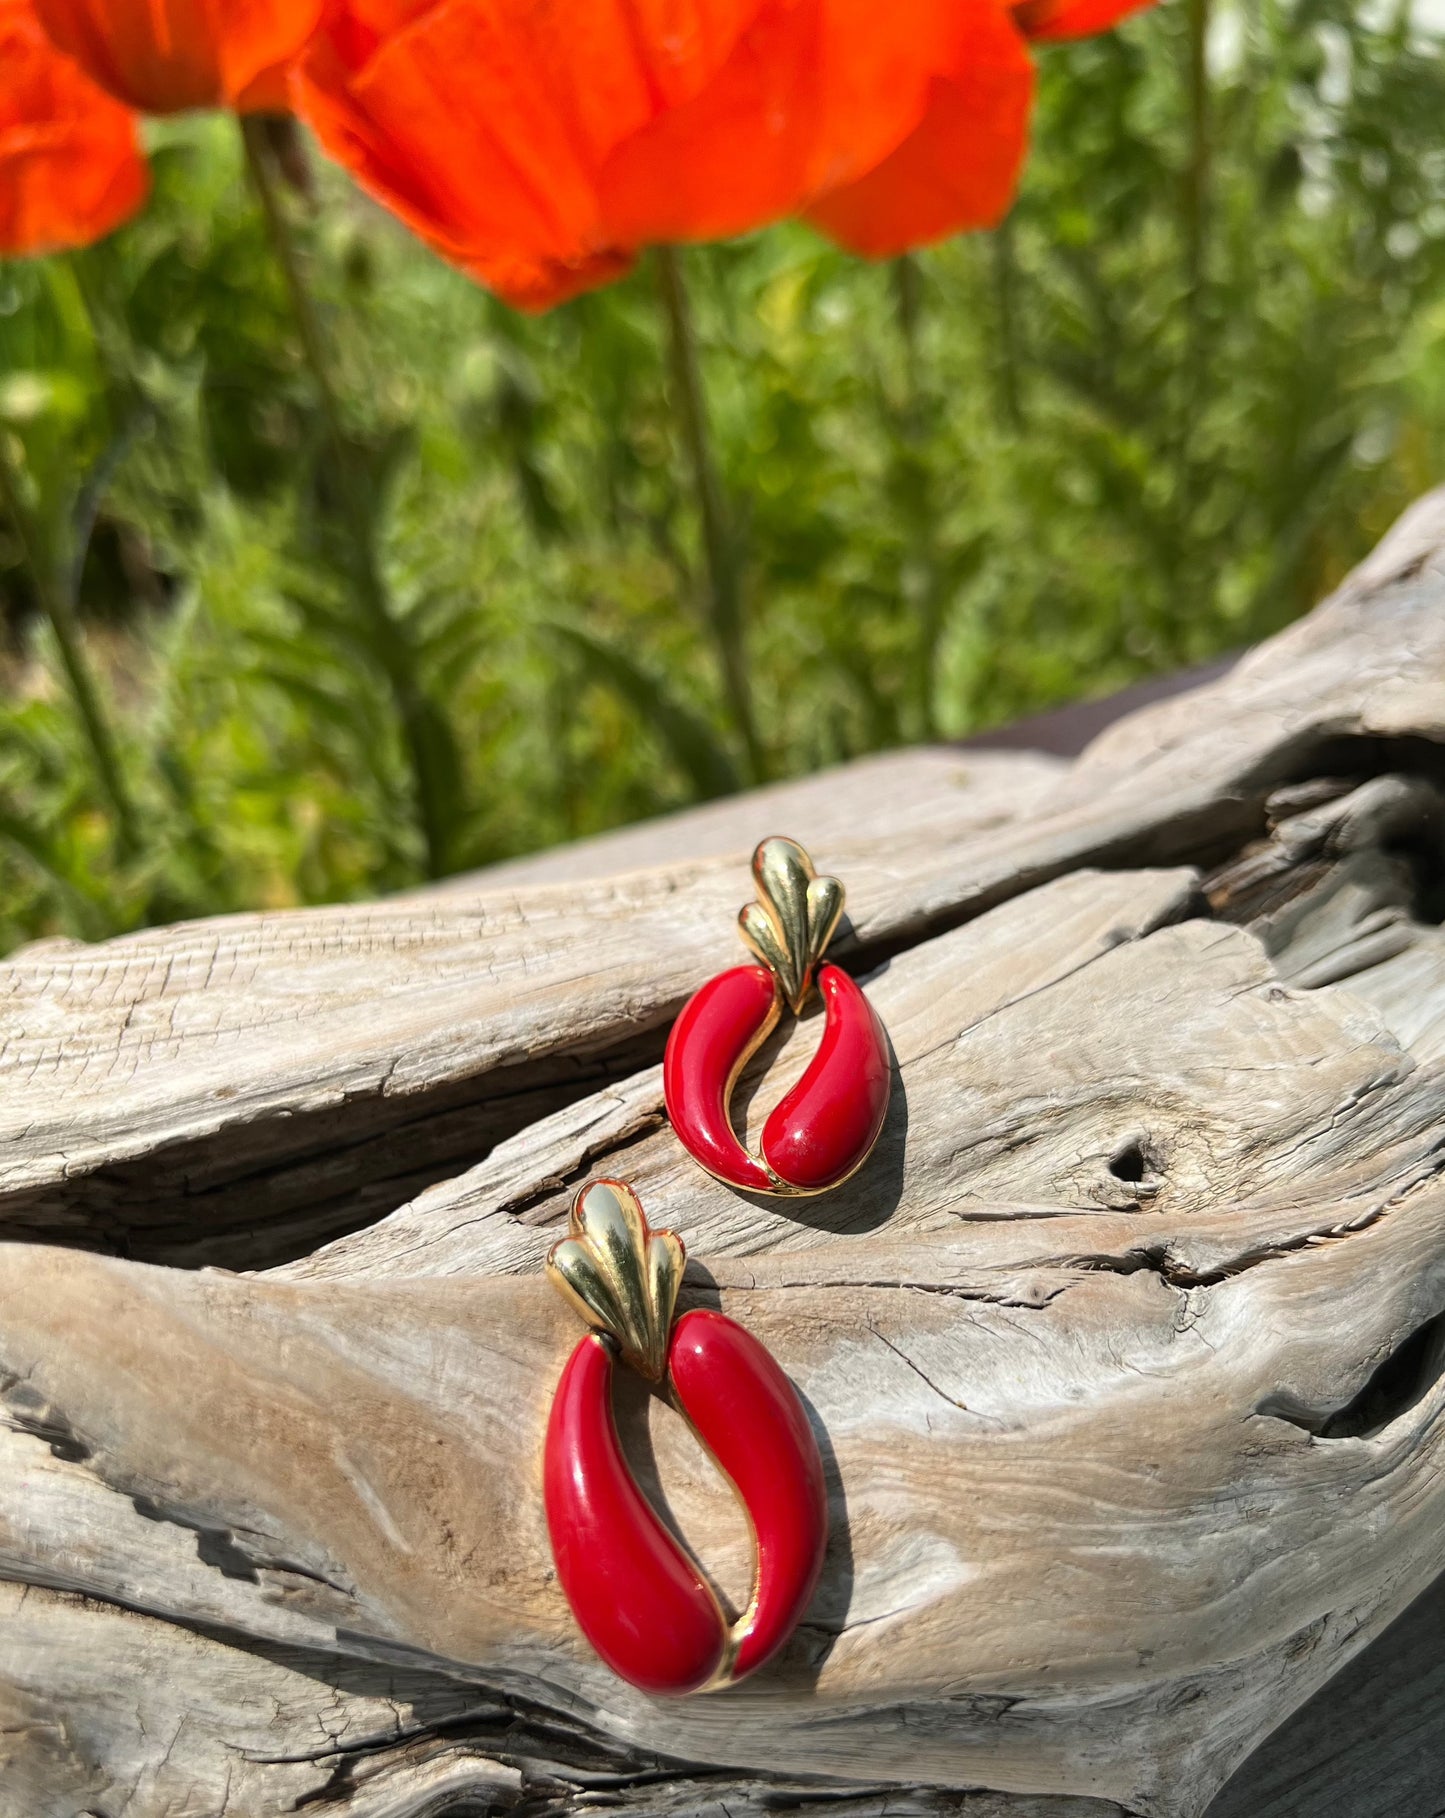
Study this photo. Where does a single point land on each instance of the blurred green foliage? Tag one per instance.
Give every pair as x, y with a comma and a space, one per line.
1151, 418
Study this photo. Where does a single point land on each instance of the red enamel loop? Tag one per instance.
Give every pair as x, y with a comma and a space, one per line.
829, 1122
720, 1027
639, 1598
749, 1417
636, 1595
827, 1125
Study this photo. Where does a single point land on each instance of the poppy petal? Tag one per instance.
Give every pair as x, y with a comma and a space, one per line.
959, 168
71, 168
164, 56
533, 94
270, 93
815, 94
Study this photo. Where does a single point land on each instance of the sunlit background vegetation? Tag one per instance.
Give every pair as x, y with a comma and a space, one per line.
1151, 418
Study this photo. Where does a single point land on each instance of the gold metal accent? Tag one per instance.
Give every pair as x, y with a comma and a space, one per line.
619, 1274
796, 915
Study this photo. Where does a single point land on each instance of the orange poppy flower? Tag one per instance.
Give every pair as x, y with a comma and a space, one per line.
70, 165
165, 56
540, 147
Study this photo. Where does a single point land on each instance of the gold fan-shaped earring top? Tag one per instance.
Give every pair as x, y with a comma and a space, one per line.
620, 1274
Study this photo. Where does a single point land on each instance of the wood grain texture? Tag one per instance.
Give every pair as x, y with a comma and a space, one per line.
1126, 1352
289, 1074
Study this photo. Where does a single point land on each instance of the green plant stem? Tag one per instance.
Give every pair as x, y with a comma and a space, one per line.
1196, 207
59, 609
113, 358
908, 291
926, 597
1195, 203
1196, 179
720, 544
426, 751
1005, 300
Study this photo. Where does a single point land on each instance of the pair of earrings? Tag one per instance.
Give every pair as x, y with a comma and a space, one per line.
639, 1598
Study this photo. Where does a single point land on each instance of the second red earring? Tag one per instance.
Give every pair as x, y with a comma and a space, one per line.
826, 1126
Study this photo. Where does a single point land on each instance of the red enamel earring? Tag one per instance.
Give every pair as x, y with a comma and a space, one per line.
638, 1597
825, 1128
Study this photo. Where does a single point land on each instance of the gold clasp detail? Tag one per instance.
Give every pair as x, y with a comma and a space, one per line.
620, 1274
796, 915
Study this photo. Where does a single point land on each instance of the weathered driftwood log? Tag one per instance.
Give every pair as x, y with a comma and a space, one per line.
1125, 1351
